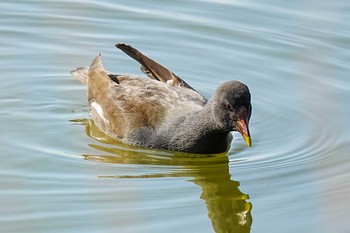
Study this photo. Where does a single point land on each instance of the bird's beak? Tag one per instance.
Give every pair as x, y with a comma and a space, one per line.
242, 127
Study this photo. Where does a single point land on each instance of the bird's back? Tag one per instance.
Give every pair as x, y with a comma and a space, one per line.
122, 104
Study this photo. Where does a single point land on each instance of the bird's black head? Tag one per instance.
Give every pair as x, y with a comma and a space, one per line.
232, 108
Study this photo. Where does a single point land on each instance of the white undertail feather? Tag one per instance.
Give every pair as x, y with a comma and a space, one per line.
96, 107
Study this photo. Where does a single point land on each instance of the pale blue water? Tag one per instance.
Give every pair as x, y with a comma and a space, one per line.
294, 56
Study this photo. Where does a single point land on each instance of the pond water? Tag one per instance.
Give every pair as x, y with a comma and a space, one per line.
60, 174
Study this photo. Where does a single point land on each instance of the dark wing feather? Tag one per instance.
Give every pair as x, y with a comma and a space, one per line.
153, 69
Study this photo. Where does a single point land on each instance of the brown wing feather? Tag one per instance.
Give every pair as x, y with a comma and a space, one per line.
121, 104
153, 69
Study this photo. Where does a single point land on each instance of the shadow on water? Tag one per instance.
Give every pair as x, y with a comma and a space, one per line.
227, 206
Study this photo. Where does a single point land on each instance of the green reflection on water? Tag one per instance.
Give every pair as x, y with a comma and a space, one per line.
227, 206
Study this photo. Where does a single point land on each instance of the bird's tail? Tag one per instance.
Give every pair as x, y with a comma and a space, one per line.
81, 74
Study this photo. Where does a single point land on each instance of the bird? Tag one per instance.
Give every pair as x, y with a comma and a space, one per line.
163, 111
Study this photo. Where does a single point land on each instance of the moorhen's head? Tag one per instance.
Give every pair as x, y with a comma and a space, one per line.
232, 108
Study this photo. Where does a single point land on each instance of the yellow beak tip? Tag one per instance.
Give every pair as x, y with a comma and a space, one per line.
248, 140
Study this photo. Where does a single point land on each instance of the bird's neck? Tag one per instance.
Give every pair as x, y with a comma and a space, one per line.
205, 133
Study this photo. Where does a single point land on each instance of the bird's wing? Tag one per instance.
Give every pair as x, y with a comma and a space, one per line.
152, 68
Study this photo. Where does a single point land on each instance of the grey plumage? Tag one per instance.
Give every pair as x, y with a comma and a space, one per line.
164, 112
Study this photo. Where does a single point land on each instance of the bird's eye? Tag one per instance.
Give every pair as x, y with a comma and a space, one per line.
228, 106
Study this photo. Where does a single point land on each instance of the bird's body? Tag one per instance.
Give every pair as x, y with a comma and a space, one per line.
162, 111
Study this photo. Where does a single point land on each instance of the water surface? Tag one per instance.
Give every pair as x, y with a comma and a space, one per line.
60, 174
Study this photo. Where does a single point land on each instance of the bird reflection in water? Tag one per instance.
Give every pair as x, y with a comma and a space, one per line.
228, 208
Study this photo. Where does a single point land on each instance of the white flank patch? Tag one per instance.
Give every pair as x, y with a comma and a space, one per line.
99, 110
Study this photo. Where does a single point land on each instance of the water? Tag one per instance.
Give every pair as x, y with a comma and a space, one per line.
60, 174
